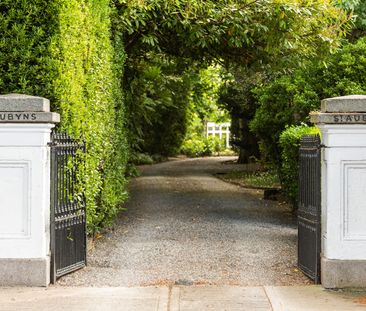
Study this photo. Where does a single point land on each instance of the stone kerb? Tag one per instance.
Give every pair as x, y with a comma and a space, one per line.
25, 128
342, 122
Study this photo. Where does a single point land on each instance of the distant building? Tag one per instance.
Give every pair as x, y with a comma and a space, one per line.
221, 130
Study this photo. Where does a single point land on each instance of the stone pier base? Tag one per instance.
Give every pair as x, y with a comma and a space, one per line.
24, 272
338, 273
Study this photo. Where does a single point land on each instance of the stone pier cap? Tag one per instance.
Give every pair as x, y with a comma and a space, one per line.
341, 110
20, 108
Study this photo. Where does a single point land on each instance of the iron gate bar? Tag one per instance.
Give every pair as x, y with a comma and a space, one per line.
309, 209
68, 210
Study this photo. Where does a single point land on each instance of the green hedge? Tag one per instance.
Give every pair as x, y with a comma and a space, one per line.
64, 50
289, 172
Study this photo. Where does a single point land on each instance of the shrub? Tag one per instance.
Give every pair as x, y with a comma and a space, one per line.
198, 146
283, 102
215, 144
290, 143
63, 50
141, 159
195, 146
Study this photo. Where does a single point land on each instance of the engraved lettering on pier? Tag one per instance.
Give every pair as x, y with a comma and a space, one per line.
351, 118
8, 116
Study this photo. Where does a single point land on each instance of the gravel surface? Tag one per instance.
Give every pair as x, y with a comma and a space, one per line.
184, 226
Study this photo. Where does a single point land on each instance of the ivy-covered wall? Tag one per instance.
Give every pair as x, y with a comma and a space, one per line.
64, 50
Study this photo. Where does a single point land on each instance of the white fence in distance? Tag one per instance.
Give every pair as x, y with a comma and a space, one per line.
219, 129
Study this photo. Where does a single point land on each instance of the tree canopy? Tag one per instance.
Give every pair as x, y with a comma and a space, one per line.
131, 70
244, 31
253, 35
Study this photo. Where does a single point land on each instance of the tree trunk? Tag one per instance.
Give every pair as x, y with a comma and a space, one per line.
249, 150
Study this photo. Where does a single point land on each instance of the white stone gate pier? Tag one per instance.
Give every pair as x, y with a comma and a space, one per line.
342, 122
25, 128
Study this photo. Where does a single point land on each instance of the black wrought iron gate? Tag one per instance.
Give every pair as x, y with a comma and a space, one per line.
68, 215
309, 211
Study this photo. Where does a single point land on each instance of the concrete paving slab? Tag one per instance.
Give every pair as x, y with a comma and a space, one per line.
84, 299
220, 298
181, 298
314, 298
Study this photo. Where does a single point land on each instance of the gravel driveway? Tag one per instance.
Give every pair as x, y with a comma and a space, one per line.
184, 226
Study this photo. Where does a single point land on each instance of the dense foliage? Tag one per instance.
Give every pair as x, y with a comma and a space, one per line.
288, 99
237, 98
130, 68
358, 9
244, 31
204, 108
188, 34
158, 91
289, 172
282, 102
62, 50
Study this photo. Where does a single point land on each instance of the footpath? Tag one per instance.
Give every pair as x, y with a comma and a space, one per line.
181, 298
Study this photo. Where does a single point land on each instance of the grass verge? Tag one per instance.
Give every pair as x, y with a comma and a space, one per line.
259, 179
